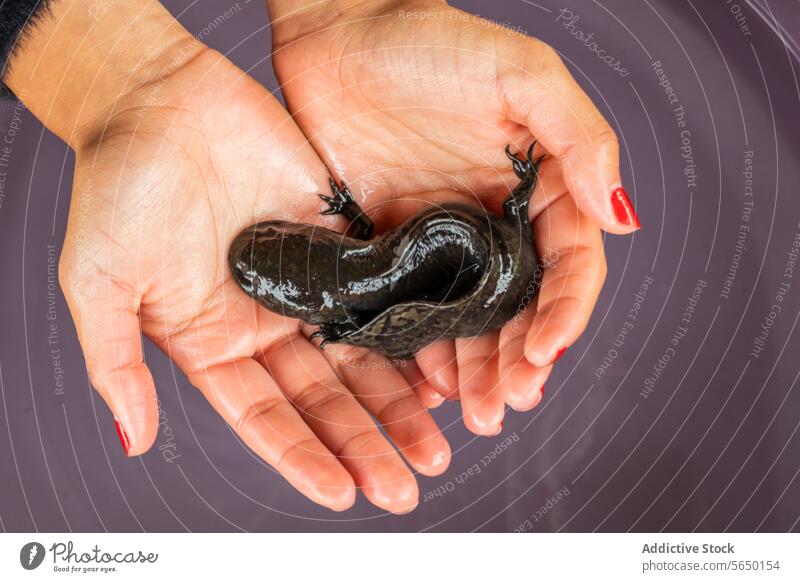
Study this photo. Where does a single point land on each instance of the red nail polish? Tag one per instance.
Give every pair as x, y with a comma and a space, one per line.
623, 209
559, 353
123, 438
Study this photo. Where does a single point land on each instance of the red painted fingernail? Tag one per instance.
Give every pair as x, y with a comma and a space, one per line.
123, 438
623, 209
559, 353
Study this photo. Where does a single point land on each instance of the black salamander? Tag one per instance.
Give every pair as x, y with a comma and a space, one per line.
453, 270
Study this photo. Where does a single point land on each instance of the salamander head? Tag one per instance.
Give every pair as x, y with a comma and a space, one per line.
240, 261
281, 267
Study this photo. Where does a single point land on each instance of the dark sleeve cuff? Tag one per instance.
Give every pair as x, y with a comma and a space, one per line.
16, 19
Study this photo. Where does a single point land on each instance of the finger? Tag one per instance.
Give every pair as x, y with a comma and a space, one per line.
523, 382
245, 395
384, 392
341, 423
426, 393
108, 329
437, 362
482, 398
524, 394
550, 186
575, 268
543, 96
536, 397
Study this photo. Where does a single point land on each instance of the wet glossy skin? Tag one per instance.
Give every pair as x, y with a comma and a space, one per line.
450, 271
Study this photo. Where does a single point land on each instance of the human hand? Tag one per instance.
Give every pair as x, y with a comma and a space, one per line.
412, 102
175, 154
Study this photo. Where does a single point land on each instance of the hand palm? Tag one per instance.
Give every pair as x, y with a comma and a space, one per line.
172, 183
418, 113
172, 203
398, 115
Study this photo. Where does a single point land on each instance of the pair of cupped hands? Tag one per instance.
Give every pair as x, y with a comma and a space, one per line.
410, 104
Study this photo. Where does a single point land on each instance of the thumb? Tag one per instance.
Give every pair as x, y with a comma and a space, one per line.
106, 318
544, 97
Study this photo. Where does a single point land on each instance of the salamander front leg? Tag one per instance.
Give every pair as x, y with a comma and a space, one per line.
527, 170
342, 202
333, 332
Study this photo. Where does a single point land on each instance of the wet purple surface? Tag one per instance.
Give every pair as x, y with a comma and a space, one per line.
675, 426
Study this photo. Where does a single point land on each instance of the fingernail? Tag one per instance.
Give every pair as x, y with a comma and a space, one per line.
437, 459
623, 209
442, 381
404, 511
535, 402
435, 400
559, 353
499, 429
123, 437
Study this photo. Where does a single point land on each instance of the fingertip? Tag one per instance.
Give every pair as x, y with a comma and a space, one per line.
547, 339
122, 434
543, 355
134, 405
339, 501
139, 441
437, 461
518, 402
445, 381
484, 421
422, 444
524, 383
144, 434
405, 496
435, 400
618, 215
386, 481
426, 393
538, 355
429, 397
535, 401
437, 362
325, 482
400, 496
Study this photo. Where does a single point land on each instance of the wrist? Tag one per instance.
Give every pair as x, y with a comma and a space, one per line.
292, 19
80, 59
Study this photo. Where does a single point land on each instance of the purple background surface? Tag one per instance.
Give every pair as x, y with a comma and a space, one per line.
713, 445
